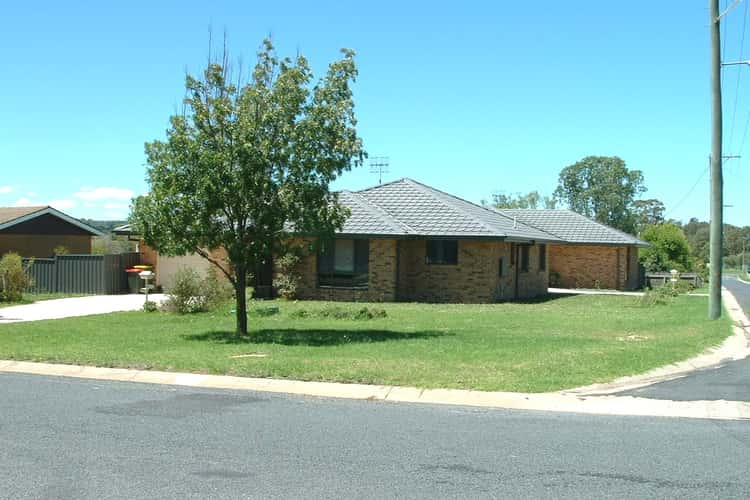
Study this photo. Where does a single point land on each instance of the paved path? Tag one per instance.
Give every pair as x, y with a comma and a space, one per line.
730, 382
76, 306
79, 439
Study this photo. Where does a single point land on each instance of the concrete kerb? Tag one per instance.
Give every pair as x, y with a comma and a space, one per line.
595, 399
557, 402
735, 347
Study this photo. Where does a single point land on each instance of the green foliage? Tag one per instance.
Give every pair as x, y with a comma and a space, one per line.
61, 250
648, 213
150, 306
14, 277
532, 200
287, 279
663, 295
109, 244
603, 188
339, 312
669, 249
190, 293
246, 161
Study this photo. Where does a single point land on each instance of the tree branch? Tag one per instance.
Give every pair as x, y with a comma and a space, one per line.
215, 262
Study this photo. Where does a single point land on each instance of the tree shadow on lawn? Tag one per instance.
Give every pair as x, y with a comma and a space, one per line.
311, 337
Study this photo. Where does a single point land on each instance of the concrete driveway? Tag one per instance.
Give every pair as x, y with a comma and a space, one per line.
76, 306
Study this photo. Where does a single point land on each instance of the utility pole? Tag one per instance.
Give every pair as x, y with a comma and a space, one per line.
717, 182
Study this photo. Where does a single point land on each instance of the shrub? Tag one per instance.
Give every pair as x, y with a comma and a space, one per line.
286, 280
184, 295
338, 312
669, 249
14, 277
150, 306
215, 290
190, 293
61, 250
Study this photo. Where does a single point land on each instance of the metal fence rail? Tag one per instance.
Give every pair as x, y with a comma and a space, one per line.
84, 274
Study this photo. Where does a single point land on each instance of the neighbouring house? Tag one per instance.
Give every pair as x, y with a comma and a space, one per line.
591, 255
38, 231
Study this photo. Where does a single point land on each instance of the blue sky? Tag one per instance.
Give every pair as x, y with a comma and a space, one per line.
473, 98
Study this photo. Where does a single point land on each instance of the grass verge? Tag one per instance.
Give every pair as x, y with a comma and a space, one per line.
531, 347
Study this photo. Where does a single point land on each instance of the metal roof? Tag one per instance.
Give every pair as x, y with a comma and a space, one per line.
573, 227
11, 216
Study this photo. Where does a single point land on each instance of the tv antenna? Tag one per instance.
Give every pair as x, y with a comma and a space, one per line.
379, 165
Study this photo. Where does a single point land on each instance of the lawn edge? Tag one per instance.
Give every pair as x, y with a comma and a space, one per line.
594, 399
734, 347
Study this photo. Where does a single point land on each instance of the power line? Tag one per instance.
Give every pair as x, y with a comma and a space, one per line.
682, 200
739, 74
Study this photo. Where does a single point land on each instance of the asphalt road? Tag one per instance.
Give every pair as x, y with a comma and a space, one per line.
73, 438
730, 381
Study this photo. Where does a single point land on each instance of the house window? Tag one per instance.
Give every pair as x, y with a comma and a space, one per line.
344, 263
525, 258
500, 265
542, 257
442, 252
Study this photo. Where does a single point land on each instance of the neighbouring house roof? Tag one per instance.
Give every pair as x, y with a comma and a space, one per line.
12, 216
124, 229
409, 209
573, 227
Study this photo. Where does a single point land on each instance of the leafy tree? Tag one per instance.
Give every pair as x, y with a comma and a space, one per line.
603, 188
648, 212
532, 200
669, 249
246, 162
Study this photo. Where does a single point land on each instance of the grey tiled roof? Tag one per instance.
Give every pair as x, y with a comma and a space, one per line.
573, 227
409, 209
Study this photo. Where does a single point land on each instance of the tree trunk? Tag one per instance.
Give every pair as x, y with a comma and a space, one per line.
240, 288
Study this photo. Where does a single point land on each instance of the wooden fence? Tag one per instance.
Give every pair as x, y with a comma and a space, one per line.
85, 274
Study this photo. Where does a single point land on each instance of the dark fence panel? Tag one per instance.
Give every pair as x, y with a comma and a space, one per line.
43, 274
85, 274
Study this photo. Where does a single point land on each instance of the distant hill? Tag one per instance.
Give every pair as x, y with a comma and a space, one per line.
105, 226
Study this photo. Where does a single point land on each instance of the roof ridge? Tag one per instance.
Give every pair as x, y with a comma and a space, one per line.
499, 211
425, 187
371, 205
382, 184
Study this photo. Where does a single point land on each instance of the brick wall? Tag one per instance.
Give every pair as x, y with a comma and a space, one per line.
382, 277
43, 245
474, 279
594, 266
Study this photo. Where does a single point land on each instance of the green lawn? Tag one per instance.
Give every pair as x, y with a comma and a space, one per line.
534, 347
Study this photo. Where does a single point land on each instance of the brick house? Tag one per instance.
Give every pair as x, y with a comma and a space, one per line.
592, 255
405, 241
37, 231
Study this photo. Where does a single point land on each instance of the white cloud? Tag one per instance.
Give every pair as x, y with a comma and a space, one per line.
5, 189
88, 204
62, 204
116, 206
31, 194
21, 202
104, 193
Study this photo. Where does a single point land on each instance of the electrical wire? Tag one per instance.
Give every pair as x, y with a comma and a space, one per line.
682, 200
739, 74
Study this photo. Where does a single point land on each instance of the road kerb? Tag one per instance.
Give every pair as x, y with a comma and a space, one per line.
735, 347
555, 402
